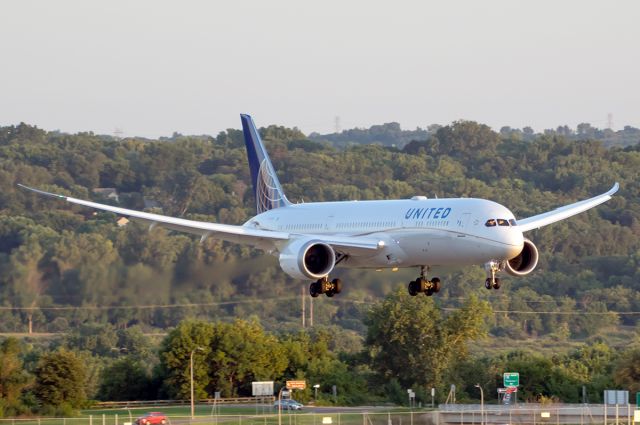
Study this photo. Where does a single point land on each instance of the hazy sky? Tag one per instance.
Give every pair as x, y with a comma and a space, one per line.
154, 67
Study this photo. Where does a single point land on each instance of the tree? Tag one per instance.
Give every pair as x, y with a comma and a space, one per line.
99, 339
409, 338
627, 371
241, 352
127, 378
60, 380
13, 378
466, 139
227, 357
187, 337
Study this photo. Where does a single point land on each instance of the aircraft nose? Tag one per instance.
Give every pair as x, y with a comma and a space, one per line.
514, 242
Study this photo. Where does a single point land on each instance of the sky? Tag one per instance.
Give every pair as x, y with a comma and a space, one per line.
153, 67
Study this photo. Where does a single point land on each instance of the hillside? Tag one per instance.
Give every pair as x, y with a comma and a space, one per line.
53, 255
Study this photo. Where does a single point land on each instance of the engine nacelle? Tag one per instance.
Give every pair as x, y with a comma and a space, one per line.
525, 262
307, 259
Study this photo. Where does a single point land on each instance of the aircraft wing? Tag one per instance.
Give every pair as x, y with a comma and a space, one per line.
567, 211
264, 239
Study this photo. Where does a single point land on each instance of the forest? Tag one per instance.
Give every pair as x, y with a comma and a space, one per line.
74, 274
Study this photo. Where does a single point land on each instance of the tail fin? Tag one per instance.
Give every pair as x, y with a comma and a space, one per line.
266, 187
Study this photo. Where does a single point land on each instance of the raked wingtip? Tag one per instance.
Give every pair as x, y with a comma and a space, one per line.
614, 189
41, 192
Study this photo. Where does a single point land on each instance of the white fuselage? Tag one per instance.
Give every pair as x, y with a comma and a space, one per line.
419, 231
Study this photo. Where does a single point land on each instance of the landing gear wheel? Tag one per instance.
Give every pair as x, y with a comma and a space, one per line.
428, 292
435, 285
330, 293
496, 283
487, 283
315, 288
422, 284
337, 285
413, 288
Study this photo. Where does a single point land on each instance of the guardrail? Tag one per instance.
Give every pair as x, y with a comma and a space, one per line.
221, 401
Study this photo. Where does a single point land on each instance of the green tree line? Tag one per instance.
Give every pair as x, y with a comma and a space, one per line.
410, 343
54, 255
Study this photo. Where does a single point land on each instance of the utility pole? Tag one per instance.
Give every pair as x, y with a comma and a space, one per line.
311, 312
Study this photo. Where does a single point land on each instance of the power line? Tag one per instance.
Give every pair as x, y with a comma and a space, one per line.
567, 313
148, 306
262, 300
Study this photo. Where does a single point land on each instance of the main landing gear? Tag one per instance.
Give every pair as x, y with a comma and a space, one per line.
492, 281
489, 283
323, 286
421, 284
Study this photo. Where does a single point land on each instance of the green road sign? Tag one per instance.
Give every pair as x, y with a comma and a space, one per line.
638, 400
511, 379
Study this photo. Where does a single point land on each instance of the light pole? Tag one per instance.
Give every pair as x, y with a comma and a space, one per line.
191, 380
315, 388
481, 404
280, 405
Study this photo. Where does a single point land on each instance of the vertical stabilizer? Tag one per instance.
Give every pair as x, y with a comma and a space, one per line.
266, 186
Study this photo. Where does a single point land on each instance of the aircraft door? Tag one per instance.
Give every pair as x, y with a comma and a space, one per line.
463, 221
329, 224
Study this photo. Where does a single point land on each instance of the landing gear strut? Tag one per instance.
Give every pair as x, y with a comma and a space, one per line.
492, 281
323, 286
421, 284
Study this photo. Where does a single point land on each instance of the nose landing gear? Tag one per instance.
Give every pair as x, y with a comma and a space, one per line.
495, 283
421, 284
492, 268
323, 286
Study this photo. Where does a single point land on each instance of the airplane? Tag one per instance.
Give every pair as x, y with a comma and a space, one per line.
311, 239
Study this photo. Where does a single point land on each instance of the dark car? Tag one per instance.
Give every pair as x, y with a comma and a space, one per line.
152, 418
288, 404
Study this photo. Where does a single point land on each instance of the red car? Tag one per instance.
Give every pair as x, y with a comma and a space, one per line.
152, 418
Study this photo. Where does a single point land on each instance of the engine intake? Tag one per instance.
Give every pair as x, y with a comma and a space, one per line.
525, 262
307, 259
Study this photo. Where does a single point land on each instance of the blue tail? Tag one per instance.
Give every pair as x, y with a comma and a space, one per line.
266, 187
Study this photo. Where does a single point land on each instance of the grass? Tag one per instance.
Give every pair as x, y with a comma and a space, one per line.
182, 410
234, 415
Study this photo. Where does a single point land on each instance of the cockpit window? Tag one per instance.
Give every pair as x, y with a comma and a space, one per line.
503, 222
490, 223
513, 222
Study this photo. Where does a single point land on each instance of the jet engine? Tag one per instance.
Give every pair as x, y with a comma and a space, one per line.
525, 262
307, 259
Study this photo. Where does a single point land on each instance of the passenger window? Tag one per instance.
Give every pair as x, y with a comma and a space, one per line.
490, 223
503, 222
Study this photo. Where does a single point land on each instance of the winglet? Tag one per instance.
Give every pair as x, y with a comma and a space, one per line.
266, 186
42, 192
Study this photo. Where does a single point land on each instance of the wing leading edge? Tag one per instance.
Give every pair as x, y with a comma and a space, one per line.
567, 211
264, 239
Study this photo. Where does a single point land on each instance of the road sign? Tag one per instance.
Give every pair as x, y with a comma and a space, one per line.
638, 400
511, 379
620, 397
262, 388
296, 385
